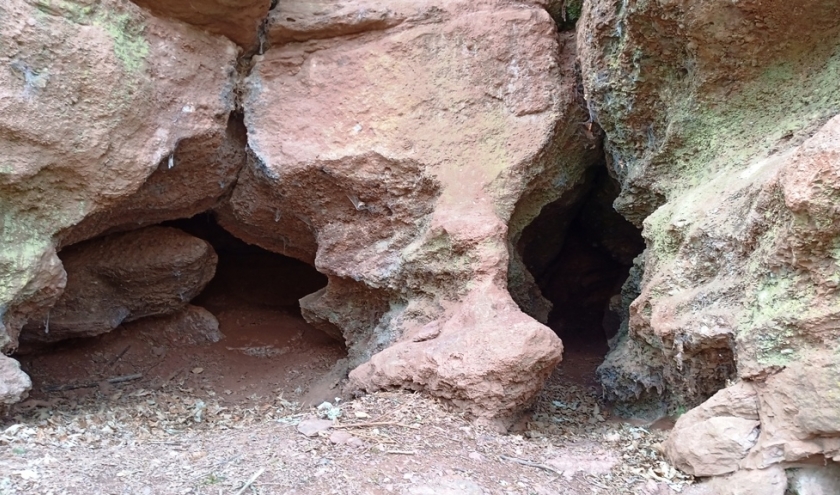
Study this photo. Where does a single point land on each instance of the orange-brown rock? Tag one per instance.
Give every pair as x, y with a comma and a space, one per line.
714, 437
402, 148
14, 383
124, 277
239, 20
94, 96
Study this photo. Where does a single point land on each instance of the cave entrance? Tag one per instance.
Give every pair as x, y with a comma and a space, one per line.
260, 348
580, 251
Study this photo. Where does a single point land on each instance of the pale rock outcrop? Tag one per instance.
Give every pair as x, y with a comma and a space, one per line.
714, 446
124, 277
14, 383
800, 412
714, 437
402, 147
770, 481
193, 179
93, 97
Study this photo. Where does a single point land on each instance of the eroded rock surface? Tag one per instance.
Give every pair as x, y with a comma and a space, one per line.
14, 383
239, 20
124, 277
401, 147
193, 179
93, 97
722, 126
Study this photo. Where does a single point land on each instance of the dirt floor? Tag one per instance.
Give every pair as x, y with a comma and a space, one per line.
226, 418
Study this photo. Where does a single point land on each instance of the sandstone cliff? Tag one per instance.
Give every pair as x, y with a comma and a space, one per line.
428, 158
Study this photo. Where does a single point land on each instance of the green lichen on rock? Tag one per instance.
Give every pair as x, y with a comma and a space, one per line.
701, 134
125, 28
130, 47
717, 134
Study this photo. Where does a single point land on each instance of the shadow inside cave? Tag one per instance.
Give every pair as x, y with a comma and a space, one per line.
266, 346
580, 251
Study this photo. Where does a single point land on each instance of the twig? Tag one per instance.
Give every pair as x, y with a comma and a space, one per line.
531, 464
74, 386
373, 424
595, 484
120, 355
126, 378
250, 481
401, 452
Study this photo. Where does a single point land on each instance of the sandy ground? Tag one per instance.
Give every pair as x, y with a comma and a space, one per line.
226, 418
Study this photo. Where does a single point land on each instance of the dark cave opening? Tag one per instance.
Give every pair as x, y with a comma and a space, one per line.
248, 274
579, 251
242, 336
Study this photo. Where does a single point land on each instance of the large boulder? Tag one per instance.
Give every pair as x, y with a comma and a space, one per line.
14, 383
714, 437
402, 148
94, 96
124, 277
198, 174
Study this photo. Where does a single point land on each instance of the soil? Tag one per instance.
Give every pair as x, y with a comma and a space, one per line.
265, 351
207, 419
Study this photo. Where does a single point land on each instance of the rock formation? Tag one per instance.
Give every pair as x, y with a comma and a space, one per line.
721, 126
93, 97
124, 277
405, 149
400, 147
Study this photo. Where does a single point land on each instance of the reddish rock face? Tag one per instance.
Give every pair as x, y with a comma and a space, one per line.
93, 97
191, 180
238, 20
108, 92
124, 277
402, 161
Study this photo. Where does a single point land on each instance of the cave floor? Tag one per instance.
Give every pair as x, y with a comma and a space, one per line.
265, 351
209, 419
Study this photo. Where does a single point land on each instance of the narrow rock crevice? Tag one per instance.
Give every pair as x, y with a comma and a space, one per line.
579, 251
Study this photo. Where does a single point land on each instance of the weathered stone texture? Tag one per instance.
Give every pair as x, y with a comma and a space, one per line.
239, 20
722, 126
124, 277
93, 97
402, 161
